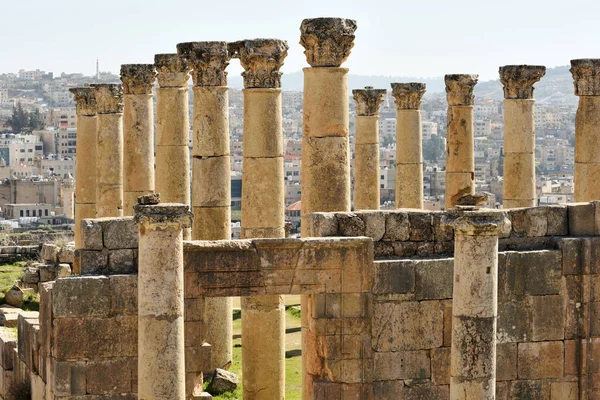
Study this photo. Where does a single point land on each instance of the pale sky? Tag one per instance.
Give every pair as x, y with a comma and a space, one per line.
416, 38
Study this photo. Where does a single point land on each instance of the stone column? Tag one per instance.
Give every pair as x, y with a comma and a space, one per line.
85, 161
67, 188
109, 150
409, 144
161, 365
263, 210
172, 130
138, 131
366, 151
519, 134
211, 183
586, 77
325, 150
460, 157
475, 301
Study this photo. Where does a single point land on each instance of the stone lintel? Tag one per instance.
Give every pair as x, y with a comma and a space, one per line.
138, 78
327, 41
473, 221
172, 70
166, 214
586, 76
408, 95
459, 89
109, 98
261, 60
85, 98
518, 80
207, 60
368, 100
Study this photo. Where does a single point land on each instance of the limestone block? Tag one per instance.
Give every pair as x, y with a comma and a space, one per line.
514, 321
460, 140
90, 262
264, 201
519, 169
406, 249
409, 185
408, 137
91, 235
222, 381
388, 390
172, 117
8, 342
108, 377
81, 297
123, 294
447, 315
564, 391
263, 135
50, 252
581, 219
440, 366
434, 279
534, 272
529, 389
14, 297
506, 361
211, 182
31, 275
532, 221
63, 270
441, 232
211, 223
558, 223
325, 103
571, 255
66, 254
548, 318
540, 360
82, 211
426, 391
397, 226
519, 130
38, 387
350, 224
366, 177
6, 381
457, 185
119, 233
394, 277
323, 224
367, 128
421, 226
401, 365
173, 173
586, 179
69, 378
121, 262
211, 122
374, 223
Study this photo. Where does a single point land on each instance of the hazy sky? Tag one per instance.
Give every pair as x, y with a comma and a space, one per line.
394, 37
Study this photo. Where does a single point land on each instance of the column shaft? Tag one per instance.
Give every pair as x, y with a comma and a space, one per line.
366, 163
409, 159
460, 157
587, 153
109, 165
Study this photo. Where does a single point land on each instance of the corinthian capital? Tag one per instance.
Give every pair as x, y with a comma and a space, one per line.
137, 78
408, 95
327, 41
261, 60
518, 80
368, 100
172, 70
207, 60
459, 89
109, 98
85, 99
586, 76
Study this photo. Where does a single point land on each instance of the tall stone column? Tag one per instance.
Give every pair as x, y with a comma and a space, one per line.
85, 161
325, 150
109, 150
67, 188
475, 301
519, 134
211, 177
409, 144
161, 365
460, 157
138, 131
263, 210
586, 77
366, 151
172, 130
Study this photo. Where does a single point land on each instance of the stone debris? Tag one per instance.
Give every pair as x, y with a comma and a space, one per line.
14, 297
222, 381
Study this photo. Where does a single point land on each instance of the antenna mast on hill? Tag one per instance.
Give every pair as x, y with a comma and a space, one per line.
97, 70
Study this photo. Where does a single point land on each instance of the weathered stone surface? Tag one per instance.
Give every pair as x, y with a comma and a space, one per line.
421, 228
31, 275
121, 262
323, 224
119, 233
529, 221
506, 361
418, 390
66, 254
397, 226
518, 80
401, 365
208, 61
368, 100
581, 219
434, 279
8, 342
14, 297
81, 297
374, 224
349, 224
459, 89
548, 318
585, 73
534, 389
90, 262
261, 60
137, 78
440, 366
571, 256
327, 41
388, 390
394, 277
109, 98
123, 294
50, 252
173, 71
108, 377
514, 321
85, 99
540, 360
534, 272
222, 381
564, 391
558, 223
408, 95
91, 232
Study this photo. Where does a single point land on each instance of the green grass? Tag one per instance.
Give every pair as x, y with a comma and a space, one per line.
9, 273
293, 365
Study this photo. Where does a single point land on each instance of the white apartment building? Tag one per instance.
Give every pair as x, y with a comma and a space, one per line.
484, 109
483, 127
20, 149
66, 141
387, 126
57, 166
31, 75
429, 129
61, 117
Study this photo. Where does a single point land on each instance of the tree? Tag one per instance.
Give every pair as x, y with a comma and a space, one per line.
36, 120
19, 119
433, 149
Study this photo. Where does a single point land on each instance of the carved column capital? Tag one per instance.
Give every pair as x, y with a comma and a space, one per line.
477, 221
368, 100
586, 76
518, 80
261, 60
327, 41
408, 95
85, 99
109, 98
207, 60
459, 89
138, 78
172, 70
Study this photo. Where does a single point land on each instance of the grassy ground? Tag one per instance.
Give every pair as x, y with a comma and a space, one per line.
293, 364
8, 274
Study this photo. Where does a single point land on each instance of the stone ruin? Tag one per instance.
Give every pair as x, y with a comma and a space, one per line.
470, 303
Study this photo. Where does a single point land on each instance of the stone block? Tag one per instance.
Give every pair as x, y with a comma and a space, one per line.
123, 292
87, 296
407, 326
540, 360
394, 277
532, 272
571, 256
530, 389
374, 223
447, 310
91, 234
558, 221
548, 318
531, 221
502, 390
48, 272
441, 232
564, 391
108, 377
421, 226
69, 378
119, 233
419, 390
350, 224
514, 321
581, 219
388, 390
38, 387
506, 361
8, 342
121, 262
404, 249
383, 249
50, 252
67, 254
401, 365
90, 262
434, 279
323, 224
31, 275
397, 227
440, 366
